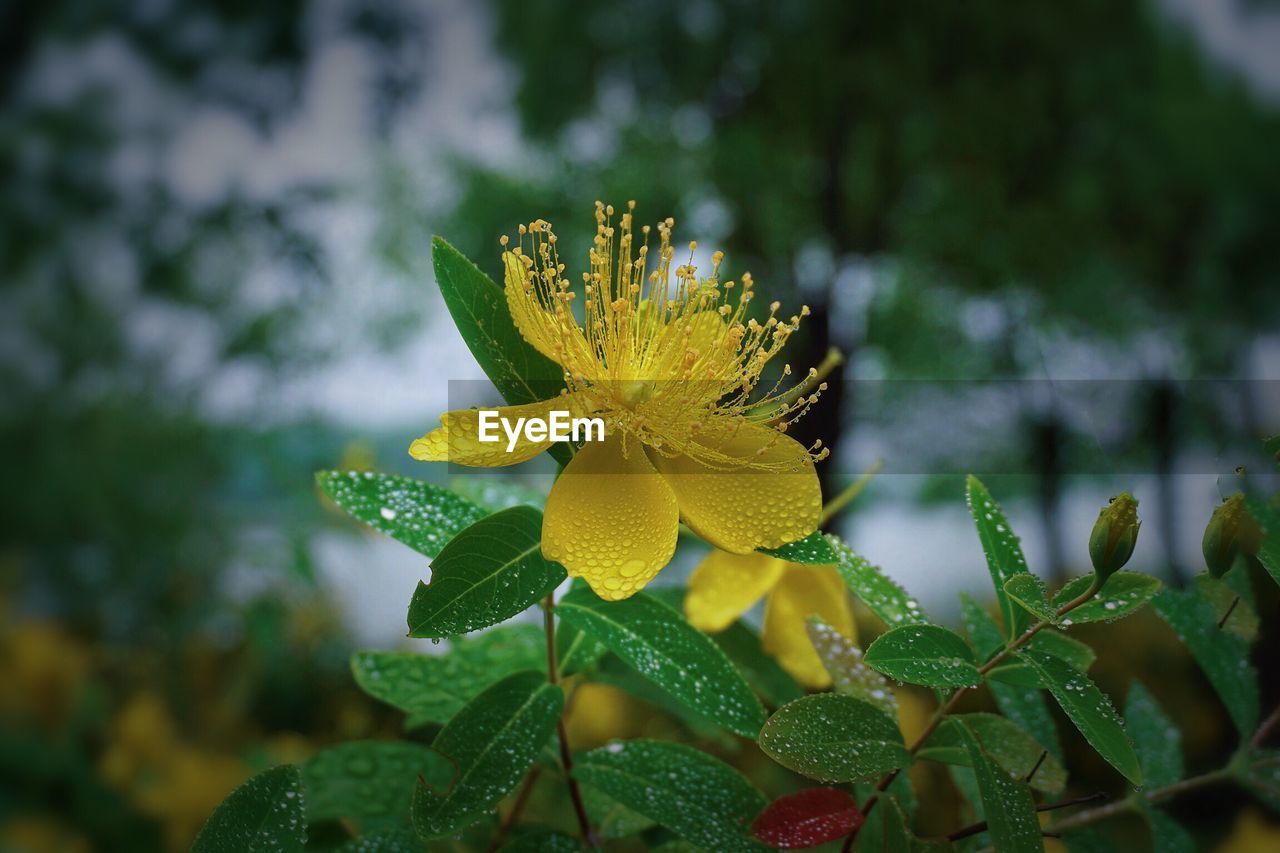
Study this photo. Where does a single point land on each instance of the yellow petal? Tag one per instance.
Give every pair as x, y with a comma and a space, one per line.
742, 509
805, 591
725, 585
457, 439
611, 519
559, 338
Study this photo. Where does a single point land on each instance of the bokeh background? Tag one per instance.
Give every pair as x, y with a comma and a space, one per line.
215, 261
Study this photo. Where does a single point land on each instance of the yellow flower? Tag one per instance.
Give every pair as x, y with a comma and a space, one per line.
693, 429
724, 586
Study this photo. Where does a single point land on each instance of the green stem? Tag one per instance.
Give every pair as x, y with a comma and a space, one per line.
846, 497
562, 734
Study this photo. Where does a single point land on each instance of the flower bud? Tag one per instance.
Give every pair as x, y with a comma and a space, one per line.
1231, 532
1114, 535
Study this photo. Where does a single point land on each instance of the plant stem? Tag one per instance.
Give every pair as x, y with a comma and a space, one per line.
562, 735
948, 706
846, 497
1265, 729
980, 826
1176, 789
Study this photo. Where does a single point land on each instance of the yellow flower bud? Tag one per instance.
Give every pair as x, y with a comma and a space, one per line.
1114, 535
1231, 532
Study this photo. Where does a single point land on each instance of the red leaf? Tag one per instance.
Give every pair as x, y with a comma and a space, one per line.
808, 818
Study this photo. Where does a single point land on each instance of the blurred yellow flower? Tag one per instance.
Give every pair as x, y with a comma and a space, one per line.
724, 586
175, 782
599, 713
42, 669
676, 374
1252, 832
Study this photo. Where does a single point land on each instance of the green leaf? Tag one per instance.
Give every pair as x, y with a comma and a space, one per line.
1222, 655
892, 832
1262, 777
370, 780
834, 738
1068, 650
610, 818
1024, 706
1268, 519
700, 798
1167, 835
1002, 549
391, 839
1009, 809
813, 549
658, 643
1232, 600
540, 840
485, 575
491, 743
418, 514
885, 598
432, 688
741, 644
1077, 654
924, 654
849, 672
614, 672
266, 813
1028, 592
1017, 752
478, 306
1124, 594
1089, 709
1156, 739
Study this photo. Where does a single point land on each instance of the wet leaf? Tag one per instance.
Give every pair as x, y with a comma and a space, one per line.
540, 840
1010, 812
924, 654
849, 672
1124, 594
370, 780
807, 818
478, 306
384, 840
418, 514
813, 549
1003, 552
1009, 746
485, 575
834, 738
1028, 592
1232, 600
656, 641
891, 832
1089, 709
1070, 651
266, 813
885, 598
1267, 517
1167, 835
1156, 739
1222, 655
432, 688
610, 818
1025, 706
491, 743
699, 798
